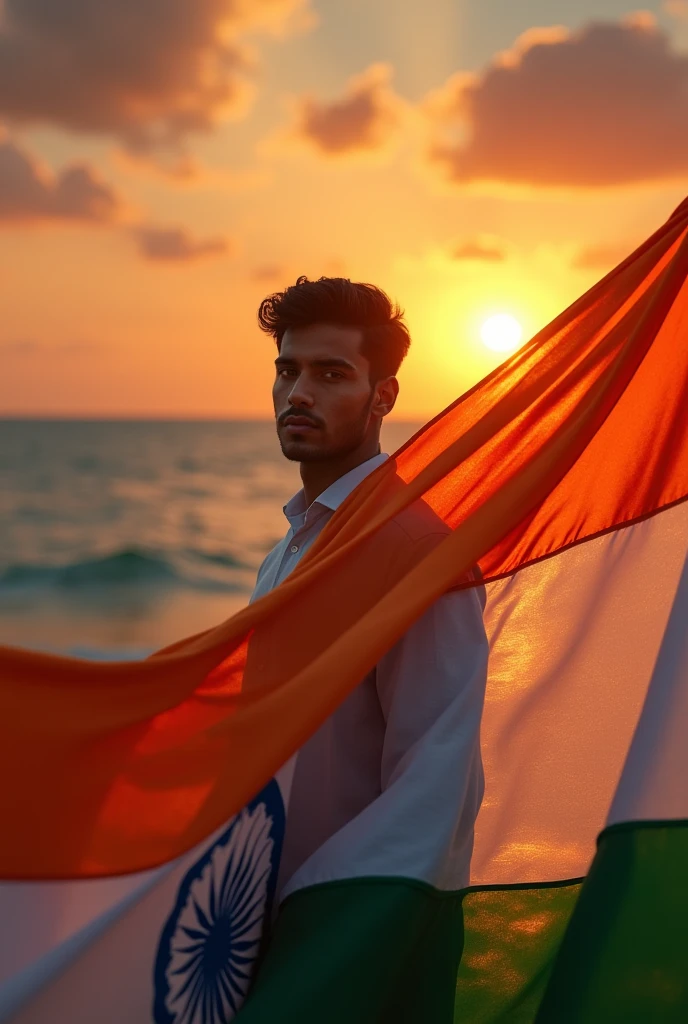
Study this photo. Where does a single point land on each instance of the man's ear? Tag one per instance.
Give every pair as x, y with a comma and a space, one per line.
386, 392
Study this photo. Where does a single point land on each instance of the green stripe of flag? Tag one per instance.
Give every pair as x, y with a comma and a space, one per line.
625, 954
378, 950
512, 934
397, 951
360, 950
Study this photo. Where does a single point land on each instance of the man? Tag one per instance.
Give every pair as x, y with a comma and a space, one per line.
393, 778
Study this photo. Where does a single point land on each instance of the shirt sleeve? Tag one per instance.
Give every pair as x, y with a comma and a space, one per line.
431, 687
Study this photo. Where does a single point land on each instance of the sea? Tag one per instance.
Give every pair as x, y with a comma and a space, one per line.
120, 537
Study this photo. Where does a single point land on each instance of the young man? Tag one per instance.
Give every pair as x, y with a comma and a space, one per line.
391, 783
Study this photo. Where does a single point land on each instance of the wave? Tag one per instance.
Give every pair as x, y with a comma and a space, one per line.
133, 567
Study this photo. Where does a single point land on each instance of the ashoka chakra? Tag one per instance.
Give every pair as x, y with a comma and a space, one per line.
210, 943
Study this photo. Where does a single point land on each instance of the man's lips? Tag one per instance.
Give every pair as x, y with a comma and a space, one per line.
299, 423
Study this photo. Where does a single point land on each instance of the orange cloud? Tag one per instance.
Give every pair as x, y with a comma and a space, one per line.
147, 71
279, 275
31, 192
269, 273
175, 245
603, 106
31, 348
677, 8
482, 248
366, 119
601, 257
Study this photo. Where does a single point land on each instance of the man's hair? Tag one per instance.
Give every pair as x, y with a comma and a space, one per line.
337, 300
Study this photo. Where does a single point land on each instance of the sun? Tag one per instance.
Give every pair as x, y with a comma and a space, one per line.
501, 332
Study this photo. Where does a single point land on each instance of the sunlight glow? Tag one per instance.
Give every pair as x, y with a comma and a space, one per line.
501, 332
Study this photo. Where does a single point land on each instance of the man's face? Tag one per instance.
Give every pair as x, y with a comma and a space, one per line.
322, 393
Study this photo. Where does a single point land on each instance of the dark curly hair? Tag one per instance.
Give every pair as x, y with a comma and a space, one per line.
337, 300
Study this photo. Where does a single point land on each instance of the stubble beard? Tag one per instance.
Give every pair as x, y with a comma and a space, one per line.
302, 451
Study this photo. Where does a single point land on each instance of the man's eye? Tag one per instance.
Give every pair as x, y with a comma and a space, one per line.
286, 372
333, 374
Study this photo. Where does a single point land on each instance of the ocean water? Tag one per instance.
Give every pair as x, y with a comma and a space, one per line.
121, 537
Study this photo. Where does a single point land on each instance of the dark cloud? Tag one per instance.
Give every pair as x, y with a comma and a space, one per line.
603, 106
147, 71
601, 257
487, 250
28, 191
366, 118
175, 244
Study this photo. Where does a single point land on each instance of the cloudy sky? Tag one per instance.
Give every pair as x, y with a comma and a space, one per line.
164, 164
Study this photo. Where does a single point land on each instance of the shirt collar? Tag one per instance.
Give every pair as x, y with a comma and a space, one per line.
332, 497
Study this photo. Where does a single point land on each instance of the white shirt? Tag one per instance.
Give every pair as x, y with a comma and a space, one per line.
391, 783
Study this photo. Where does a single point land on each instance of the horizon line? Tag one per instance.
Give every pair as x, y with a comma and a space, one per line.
12, 417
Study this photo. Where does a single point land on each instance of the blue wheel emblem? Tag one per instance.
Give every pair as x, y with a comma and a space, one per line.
211, 941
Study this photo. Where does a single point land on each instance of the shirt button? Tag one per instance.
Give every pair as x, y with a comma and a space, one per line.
294, 548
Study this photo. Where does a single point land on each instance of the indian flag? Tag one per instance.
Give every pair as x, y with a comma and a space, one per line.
564, 477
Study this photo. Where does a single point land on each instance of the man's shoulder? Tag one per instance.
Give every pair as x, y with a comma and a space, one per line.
414, 532
409, 534
418, 521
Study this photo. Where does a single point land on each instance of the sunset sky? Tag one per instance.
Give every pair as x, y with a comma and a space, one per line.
164, 165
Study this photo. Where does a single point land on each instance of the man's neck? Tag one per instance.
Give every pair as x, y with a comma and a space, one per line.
317, 476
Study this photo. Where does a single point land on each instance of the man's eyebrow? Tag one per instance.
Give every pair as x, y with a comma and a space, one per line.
333, 361
344, 364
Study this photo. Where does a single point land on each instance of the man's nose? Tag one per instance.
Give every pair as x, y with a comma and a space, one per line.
300, 396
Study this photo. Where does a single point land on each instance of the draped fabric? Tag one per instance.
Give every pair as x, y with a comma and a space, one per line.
581, 432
